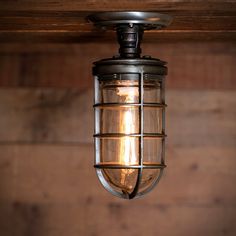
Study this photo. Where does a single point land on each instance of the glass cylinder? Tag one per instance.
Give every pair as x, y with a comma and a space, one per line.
129, 130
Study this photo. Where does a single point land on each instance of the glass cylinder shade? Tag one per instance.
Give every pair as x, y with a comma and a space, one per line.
129, 126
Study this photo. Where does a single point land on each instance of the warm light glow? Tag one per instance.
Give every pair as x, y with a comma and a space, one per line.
127, 151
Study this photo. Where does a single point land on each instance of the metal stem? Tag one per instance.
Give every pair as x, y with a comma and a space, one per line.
129, 37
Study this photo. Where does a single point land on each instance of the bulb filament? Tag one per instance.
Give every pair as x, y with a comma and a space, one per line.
128, 147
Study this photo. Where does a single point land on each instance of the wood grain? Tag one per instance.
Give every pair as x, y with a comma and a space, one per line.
48, 185
171, 36
48, 188
65, 21
51, 114
194, 118
195, 177
218, 6
191, 65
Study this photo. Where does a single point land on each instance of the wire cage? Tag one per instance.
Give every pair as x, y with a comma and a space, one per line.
129, 124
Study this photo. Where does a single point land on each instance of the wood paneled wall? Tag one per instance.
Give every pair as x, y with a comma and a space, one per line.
48, 186
193, 65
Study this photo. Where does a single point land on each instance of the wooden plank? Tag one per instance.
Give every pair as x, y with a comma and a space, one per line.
77, 21
51, 70
48, 188
208, 7
170, 36
163, 36
201, 118
194, 118
191, 65
49, 113
197, 65
195, 177
132, 219
64, 21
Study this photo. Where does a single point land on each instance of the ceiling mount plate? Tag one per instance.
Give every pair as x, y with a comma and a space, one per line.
149, 20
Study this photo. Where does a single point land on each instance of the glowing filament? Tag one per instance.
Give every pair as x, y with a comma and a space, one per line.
127, 151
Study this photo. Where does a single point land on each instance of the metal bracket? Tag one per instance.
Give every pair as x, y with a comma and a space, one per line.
130, 27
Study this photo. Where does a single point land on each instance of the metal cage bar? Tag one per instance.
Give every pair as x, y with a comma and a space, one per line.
163, 119
141, 135
120, 135
140, 170
112, 166
111, 104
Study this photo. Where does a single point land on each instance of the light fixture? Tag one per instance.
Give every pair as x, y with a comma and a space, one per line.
129, 107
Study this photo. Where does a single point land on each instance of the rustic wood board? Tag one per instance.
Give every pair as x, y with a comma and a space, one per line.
171, 36
194, 118
52, 190
195, 177
114, 219
207, 7
65, 21
191, 65
48, 185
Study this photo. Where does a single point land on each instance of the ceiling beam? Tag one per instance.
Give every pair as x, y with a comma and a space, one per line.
65, 21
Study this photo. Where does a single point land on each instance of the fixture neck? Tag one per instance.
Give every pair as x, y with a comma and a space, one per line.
129, 37
130, 26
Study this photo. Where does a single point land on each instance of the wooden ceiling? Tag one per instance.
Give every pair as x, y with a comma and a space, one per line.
64, 21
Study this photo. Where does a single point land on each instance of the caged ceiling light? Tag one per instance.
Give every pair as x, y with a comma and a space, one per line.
129, 107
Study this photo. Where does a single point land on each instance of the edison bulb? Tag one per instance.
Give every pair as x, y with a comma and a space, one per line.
119, 147
128, 148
